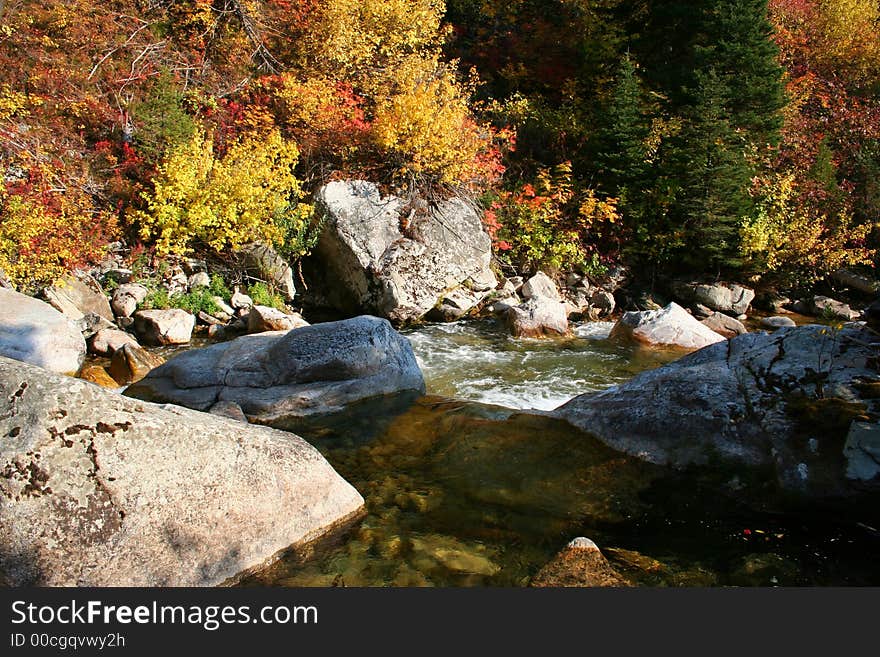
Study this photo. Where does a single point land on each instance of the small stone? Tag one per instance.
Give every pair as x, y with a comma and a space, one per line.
98, 375
199, 279
131, 363
777, 322
222, 305
107, 342
229, 409
126, 299
264, 318
164, 327
207, 319
241, 301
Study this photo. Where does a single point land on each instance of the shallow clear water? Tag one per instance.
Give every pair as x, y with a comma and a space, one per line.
461, 493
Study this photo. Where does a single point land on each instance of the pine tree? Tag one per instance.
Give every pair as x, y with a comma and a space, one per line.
622, 142
715, 175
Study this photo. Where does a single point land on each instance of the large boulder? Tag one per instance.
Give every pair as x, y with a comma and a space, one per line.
263, 262
164, 327
732, 299
538, 317
671, 326
101, 490
77, 296
397, 259
34, 332
779, 403
313, 370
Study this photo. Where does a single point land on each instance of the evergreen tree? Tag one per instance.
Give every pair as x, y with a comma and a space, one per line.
737, 45
715, 175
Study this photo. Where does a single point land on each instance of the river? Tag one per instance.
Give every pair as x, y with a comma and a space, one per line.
469, 487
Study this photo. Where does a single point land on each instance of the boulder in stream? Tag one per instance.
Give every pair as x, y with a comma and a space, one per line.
313, 370
671, 326
777, 405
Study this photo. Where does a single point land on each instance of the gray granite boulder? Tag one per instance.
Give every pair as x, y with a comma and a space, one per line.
313, 370
397, 259
780, 403
34, 332
101, 490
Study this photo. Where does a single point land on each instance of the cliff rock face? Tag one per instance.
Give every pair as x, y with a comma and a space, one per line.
97, 489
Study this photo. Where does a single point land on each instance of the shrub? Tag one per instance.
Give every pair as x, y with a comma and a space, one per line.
244, 196
263, 296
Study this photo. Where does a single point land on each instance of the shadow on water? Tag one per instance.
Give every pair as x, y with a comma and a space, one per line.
464, 494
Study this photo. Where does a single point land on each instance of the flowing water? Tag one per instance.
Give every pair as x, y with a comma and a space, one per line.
462, 489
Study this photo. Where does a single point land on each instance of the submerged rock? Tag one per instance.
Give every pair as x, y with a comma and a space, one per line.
313, 370
398, 259
34, 332
102, 490
581, 563
131, 363
778, 403
669, 326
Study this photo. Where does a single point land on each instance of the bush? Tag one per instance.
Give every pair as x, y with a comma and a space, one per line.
44, 235
263, 296
245, 196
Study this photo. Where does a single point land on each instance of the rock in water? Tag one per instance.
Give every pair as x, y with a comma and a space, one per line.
581, 563
385, 257
131, 363
778, 403
102, 490
724, 325
34, 332
313, 370
164, 327
777, 322
108, 341
669, 326
538, 317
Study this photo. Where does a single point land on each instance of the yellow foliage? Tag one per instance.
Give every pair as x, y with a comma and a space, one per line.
426, 123
13, 102
787, 238
361, 36
222, 202
40, 244
850, 38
